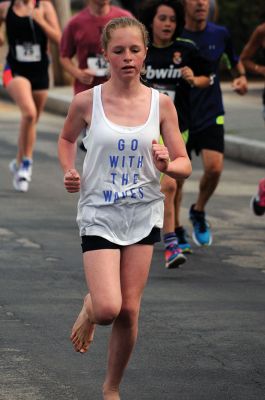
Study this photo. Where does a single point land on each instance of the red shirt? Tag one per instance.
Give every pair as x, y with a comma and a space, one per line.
82, 37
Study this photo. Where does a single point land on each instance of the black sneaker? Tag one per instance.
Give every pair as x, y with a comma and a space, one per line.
183, 243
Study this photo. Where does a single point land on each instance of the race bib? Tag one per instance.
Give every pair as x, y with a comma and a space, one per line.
168, 90
28, 52
98, 64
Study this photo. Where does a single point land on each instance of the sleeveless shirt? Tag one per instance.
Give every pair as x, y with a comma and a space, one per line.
120, 197
27, 44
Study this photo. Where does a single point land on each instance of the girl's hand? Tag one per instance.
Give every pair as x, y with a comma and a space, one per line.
188, 75
160, 156
38, 16
72, 181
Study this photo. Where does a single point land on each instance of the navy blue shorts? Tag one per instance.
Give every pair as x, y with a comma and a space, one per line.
90, 243
210, 138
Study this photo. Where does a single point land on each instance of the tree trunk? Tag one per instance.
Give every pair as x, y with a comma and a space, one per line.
59, 77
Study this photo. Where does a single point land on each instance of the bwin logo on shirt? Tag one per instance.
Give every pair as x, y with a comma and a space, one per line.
163, 73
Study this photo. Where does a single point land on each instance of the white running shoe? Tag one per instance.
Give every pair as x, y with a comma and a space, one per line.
21, 175
13, 168
25, 169
20, 184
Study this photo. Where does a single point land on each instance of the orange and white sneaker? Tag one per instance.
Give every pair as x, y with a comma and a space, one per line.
174, 256
257, 203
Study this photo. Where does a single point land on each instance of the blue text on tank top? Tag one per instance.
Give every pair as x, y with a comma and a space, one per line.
124, 163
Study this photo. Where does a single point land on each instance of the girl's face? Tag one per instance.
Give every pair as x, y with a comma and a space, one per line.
126, 52
164, 25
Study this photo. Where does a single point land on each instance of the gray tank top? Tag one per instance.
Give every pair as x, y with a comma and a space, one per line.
120, 197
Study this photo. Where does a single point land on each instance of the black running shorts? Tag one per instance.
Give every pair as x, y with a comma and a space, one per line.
90, 243
38, 82
211, 138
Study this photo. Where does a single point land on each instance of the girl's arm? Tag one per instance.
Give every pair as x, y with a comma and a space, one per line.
179, 165
201, 81
3, 10
45, 15
77, 119
4, 5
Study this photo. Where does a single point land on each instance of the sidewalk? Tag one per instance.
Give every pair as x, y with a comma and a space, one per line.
245, 130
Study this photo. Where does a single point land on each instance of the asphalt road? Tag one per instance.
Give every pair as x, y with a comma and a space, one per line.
201, 327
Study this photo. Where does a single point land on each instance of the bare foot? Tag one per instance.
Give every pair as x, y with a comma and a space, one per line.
82, 332
111, 394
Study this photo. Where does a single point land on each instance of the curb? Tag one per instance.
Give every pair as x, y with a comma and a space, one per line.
245, 150
57, 104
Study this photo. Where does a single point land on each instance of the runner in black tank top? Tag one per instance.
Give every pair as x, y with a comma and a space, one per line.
29, 26
27, 55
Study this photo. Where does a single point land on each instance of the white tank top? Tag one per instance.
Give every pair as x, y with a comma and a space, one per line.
120, 197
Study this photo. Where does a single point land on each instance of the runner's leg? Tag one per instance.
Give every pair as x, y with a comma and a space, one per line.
19, 88
135, 265
103, 303
213, 166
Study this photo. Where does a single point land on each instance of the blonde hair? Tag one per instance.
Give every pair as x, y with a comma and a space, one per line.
122, 22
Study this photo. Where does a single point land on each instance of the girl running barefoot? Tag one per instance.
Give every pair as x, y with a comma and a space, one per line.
120, 210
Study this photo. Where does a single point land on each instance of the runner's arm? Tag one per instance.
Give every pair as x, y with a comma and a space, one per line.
77, 119
179, 165
3, 9
46, 17
85, 76
195, 81
251, 48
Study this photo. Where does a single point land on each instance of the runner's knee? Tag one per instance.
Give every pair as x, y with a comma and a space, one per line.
129, 315
169, 187
213, 172
30, 114
106, 313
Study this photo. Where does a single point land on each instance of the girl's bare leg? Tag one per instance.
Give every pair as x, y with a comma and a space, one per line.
103, 303
169, 187
30, 106
39, 97
178, 199
135, 265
